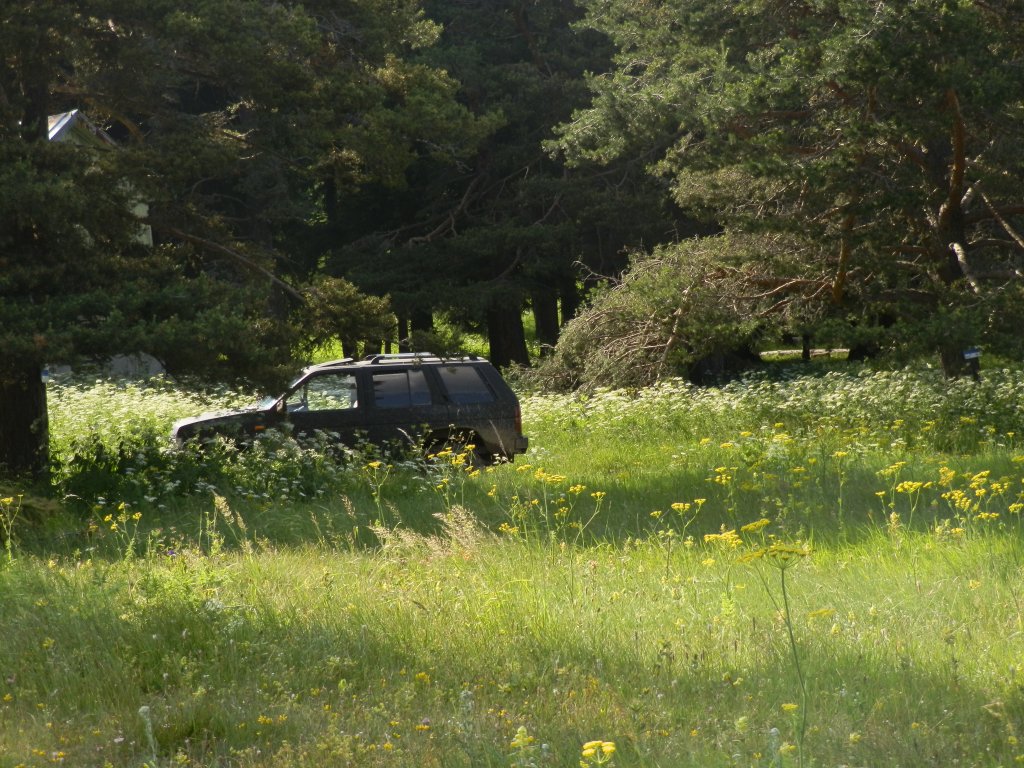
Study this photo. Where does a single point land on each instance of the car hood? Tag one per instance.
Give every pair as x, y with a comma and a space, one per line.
187, 426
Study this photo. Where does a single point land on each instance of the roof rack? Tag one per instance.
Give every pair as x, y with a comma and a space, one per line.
374, 359
329, 363
390, 358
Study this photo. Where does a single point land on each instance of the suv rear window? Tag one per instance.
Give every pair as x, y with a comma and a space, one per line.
400, 389
465, 385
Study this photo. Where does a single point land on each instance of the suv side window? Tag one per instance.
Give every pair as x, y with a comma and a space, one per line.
330, 392
465, 385
400, 389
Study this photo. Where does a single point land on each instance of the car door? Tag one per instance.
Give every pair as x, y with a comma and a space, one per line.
402, 405
328, 402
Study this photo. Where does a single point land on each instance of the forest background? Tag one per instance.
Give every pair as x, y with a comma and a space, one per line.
819, 567
359, 171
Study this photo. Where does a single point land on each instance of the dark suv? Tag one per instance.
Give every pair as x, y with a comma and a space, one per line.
410, 399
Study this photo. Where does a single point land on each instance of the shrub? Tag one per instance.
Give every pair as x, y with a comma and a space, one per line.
691, 309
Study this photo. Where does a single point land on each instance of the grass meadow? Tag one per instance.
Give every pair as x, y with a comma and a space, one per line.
822, 568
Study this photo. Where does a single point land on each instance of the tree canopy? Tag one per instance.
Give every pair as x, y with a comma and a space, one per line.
509, 225
230, 117
888, 134
305, 169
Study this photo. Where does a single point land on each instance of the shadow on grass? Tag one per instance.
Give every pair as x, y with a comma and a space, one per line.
264, 655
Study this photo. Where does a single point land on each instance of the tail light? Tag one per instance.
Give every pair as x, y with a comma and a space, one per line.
519, 421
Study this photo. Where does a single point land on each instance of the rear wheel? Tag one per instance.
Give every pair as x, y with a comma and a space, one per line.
474, 457
459, 450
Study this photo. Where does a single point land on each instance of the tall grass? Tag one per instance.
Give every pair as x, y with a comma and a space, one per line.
814, 571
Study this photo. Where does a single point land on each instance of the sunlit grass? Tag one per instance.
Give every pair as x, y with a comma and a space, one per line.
814, 571
444, 648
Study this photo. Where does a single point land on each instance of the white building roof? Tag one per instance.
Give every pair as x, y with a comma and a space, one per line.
75, 126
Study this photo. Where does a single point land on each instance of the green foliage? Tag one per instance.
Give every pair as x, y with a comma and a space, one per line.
871, 153
432, 652
869, 131
66, 237
231, 123
504, 227
788, 571
680, 307
335, 309
778, 440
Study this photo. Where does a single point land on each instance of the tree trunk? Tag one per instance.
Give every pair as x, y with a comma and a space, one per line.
545, 317
423, 320
952, 234
505, 334
24, 426
955, 362
570, 294
403, 334
373, 347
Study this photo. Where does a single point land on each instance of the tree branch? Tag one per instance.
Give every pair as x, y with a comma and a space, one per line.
1003, 222
961, 258
782, 285
448, 224
231, 253
1005, 210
